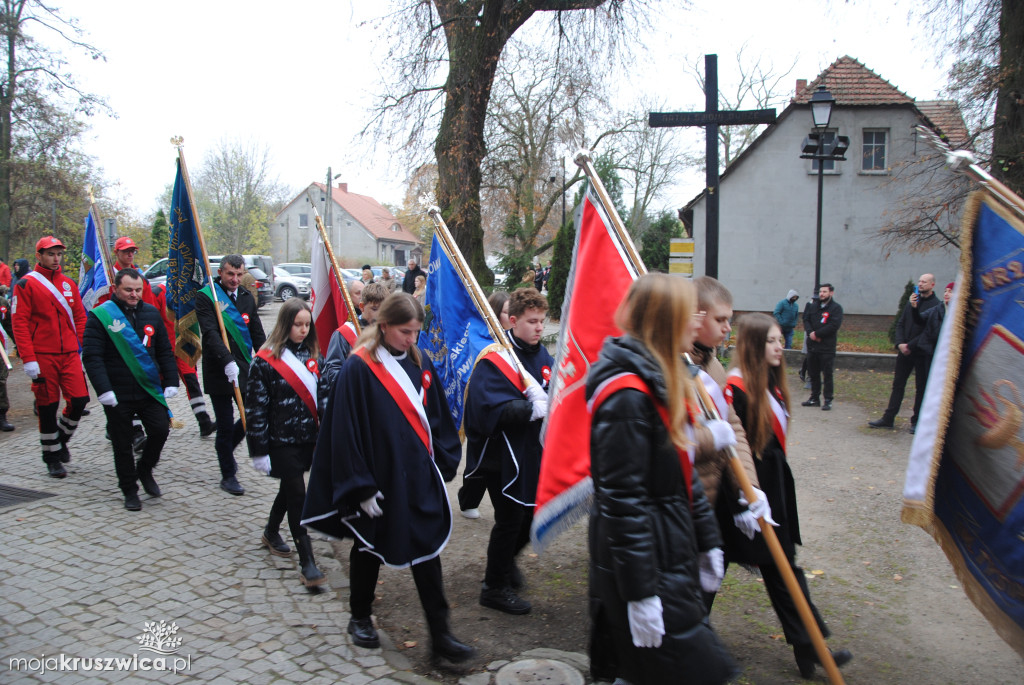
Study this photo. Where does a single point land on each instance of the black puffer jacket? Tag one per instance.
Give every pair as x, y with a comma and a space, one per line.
275, 414
645, 534
107, 369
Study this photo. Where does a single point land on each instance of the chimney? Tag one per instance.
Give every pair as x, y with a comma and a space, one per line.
801, 86
343, 187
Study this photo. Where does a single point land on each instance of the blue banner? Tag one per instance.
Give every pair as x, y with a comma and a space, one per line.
455, 333
92, 275
186, 271
965, 479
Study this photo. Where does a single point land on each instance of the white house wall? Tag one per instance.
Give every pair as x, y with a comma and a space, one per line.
768, 210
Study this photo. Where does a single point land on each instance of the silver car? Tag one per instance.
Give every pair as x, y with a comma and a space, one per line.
290, 285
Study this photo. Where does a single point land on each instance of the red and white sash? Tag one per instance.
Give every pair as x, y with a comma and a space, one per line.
48, 284
302, 378
780, 418
715, 392
398, 384
502, 360
348, 332
632, 381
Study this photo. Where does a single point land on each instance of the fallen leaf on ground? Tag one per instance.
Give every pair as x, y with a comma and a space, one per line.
897, 577
409, 644
818, 572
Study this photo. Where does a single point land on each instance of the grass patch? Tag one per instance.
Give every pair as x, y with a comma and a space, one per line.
855, 341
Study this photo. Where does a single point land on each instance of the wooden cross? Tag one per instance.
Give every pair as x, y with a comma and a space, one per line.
711, 119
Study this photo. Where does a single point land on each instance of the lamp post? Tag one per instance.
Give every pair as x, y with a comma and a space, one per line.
821, 113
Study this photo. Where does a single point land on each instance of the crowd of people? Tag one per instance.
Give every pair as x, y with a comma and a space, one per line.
368, 421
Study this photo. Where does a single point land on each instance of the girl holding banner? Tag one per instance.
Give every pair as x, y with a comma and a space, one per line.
285, 376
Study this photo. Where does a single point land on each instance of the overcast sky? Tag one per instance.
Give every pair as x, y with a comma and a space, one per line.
299, 76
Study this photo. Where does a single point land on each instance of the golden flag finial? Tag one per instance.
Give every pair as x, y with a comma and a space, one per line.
177, 141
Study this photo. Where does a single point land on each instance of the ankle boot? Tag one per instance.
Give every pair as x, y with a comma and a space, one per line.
275, 543
807, 659
4, 426
308, 572
444, 645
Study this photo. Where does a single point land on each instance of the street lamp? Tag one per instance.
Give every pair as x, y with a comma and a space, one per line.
821, 113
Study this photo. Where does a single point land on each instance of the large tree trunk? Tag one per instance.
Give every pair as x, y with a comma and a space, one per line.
476, 33
6, 104
1008, 136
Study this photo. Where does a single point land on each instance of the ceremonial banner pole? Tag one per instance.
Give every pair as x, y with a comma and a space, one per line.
5, 358
104, 248
964, 161
178, 142
772, 540
474, 289
352, 315
584, 160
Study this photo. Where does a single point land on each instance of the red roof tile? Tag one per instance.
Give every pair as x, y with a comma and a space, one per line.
371, 214
851, 83
946, 119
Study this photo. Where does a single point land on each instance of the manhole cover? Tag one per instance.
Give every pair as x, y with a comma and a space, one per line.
545, 671
10, 495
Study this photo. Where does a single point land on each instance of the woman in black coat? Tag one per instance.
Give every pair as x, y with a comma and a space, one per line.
654, 541
760, 396
285, 379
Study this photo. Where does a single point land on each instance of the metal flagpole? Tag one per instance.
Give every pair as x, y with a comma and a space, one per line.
964, 161
178, 142
707, 406
352, 316
475, 291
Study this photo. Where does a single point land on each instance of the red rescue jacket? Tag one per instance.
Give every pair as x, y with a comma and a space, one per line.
41, 324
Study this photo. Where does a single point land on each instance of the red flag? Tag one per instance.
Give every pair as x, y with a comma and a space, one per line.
600, 276
329, 310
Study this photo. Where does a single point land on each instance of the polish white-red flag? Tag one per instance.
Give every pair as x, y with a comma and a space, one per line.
599, 277
326, 300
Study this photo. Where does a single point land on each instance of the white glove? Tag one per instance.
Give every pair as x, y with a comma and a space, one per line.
370, 506
646, 623
535, 393
712, 569
722, 432
231, 371
262, 464
31, 370
108, 399
170, 392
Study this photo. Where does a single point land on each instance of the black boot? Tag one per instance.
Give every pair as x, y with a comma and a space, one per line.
363, 633
807, 659
273, 541
443, 645
206, 425
308, 572
4, 426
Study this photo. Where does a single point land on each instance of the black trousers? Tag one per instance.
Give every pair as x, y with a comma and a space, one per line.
821, 364
119, 425
229, 433
364, 568
509, 535
472, 492
920, 365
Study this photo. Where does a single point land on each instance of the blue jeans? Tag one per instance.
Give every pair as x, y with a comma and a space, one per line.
788, 335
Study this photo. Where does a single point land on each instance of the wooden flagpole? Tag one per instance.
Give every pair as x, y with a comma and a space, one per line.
104, 248
3, 356
475, 291
178, 142
352, 315
584, 160
774, 546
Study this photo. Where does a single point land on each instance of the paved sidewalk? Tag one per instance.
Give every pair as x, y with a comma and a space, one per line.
82, 577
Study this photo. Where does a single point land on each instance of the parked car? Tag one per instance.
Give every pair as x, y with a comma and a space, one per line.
265, 290
288, 285
295, 268
156, 273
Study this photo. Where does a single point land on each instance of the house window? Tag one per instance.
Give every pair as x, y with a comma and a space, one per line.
873, 152
827, 164
303, 220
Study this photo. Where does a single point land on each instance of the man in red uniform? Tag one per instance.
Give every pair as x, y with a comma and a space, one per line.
125, 250
49, 322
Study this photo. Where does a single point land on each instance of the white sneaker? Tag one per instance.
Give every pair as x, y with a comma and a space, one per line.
471, 513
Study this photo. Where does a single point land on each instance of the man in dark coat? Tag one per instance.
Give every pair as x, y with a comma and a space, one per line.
129, 359
910, 356
409, 282
503, 421
822, 323
226, 367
